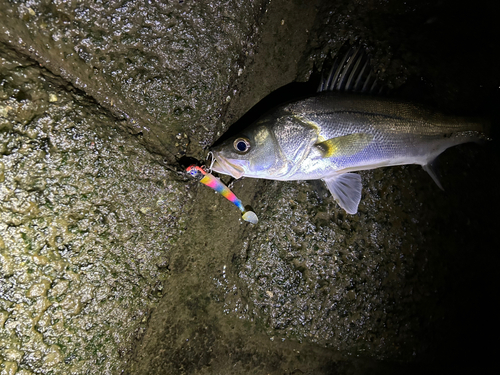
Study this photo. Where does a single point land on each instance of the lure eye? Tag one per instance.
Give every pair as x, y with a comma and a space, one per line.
241, 145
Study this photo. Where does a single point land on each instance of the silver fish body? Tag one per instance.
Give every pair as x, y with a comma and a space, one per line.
330, 135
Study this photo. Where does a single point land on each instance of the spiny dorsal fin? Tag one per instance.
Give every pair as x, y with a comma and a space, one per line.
346, 145
351, 72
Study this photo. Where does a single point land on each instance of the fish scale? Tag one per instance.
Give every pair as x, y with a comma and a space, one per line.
402, 133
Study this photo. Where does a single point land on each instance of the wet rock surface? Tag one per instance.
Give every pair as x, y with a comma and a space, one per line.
147, 63
111, 262
85, 228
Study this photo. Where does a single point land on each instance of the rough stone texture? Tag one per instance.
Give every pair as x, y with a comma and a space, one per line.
152, 64
113, 263
87, 220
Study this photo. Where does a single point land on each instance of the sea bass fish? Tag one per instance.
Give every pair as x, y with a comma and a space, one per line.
330, 135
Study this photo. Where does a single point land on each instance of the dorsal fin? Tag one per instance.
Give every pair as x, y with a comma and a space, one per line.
351, 72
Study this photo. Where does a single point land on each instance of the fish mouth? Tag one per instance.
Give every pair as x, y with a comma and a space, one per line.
222, 165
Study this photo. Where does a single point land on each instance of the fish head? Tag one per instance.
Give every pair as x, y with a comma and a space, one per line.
252, 153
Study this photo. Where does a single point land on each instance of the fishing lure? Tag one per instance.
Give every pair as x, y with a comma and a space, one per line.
213, 182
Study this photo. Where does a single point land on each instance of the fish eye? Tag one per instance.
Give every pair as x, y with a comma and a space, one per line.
241, 145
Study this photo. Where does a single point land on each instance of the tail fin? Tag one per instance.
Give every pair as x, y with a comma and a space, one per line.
479, 130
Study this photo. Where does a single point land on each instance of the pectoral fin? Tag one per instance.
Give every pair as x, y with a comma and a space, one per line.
346, 145
346, 189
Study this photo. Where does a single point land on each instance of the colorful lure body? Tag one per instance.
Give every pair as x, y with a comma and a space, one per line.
213, 182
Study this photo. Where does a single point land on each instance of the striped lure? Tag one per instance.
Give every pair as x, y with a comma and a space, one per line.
213, 182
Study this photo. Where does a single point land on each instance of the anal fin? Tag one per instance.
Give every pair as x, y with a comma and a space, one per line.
346, 190
431, 168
